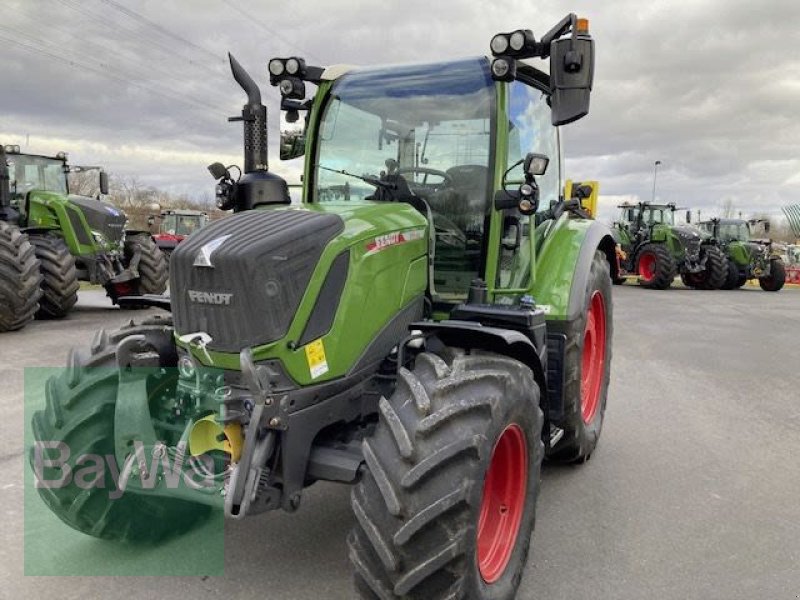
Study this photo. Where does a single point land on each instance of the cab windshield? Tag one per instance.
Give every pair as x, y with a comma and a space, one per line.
729, 232
181, 224
659, 215
425, 121
35, 173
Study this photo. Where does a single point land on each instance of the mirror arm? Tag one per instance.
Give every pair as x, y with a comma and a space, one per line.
557, 31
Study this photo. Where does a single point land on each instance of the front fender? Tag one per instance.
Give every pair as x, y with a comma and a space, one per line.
563, 264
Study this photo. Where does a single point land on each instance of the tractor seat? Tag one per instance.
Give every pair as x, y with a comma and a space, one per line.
464, 201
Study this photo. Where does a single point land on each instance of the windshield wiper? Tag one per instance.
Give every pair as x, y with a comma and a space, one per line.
370, 180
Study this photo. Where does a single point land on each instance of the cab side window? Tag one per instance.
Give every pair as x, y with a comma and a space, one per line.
530, 130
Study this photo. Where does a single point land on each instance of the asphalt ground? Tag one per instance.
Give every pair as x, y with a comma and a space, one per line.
694, 491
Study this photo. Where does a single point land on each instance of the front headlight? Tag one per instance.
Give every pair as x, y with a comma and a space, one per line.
186, 367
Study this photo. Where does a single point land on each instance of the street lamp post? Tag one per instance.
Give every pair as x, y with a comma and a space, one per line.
655, 173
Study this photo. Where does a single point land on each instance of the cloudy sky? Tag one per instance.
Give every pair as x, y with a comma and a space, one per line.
711, 88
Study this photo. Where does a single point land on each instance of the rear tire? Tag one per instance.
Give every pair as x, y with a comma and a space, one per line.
80, 406
655, 266
420, 502
587, 369
152, 265
19, 279
777, 276
59, 276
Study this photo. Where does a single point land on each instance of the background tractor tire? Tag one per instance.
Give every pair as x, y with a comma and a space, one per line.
715, 274
447, 505
152, 267
59, 276
19, 279
587, 370
655, 266
776, 278
80, 405
732, 276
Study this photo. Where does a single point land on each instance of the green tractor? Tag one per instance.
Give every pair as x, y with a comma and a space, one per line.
747, 257
656, 249
51, 239
428, 334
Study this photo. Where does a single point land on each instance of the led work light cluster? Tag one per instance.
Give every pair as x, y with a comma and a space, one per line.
11, 149
288, 75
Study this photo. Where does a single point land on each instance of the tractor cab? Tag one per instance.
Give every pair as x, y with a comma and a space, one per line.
645, 214
447, 139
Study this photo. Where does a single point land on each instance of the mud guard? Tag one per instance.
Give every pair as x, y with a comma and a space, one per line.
514, 344
564, 262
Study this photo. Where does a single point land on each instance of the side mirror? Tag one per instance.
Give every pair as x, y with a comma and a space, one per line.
151, 220
571, 77
103, 183
293, 135
688, 216
766, 226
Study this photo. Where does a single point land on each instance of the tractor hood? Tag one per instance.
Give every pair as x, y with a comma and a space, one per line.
689, 233
101, 217
241, 279
757, 248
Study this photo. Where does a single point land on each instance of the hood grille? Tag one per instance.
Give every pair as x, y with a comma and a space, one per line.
259, 273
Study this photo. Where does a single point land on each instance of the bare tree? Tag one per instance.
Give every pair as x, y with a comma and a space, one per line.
728, 209
84, 183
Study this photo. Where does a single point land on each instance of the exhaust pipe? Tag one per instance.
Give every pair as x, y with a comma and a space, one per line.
254, 116
257, 186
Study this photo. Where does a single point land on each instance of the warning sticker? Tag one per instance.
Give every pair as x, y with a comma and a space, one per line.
315, 356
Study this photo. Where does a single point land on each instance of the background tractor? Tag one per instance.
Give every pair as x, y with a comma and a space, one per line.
427, 333
747, 258
174, 225
73, 238
656, 249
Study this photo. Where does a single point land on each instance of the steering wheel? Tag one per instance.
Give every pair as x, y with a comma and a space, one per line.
424, 185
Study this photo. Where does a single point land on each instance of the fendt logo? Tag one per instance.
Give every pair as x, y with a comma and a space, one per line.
222, 298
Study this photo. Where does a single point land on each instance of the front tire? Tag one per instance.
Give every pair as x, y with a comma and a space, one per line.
59, 276
777, 276
732, 276
447, 506
79, 412
152, 266
655, 266
19, 279
587, 369
715, 273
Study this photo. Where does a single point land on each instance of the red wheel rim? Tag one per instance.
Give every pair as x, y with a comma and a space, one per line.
647, 266
503, 503
594, 357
